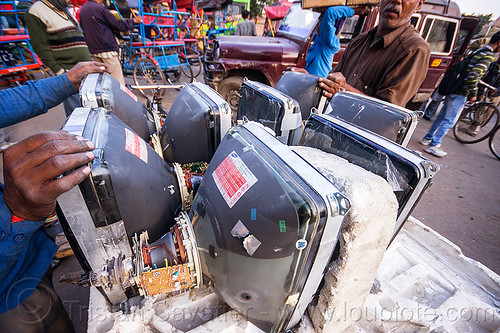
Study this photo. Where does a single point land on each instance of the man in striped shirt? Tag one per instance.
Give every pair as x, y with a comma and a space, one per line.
455, 102
57, 39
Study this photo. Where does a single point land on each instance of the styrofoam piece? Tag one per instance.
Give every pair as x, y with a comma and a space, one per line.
426, 284
366, 232
229, 322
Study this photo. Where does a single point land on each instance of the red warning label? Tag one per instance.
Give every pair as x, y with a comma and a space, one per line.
233, 178
136, 146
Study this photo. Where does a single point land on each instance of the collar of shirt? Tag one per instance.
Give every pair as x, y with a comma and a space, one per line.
389, 37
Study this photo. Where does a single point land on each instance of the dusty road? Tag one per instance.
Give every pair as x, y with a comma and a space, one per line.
463, 204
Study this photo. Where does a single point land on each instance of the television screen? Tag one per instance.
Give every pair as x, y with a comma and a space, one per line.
408, 173
102, 90
271, 108
195, 124
266, 223
130, 189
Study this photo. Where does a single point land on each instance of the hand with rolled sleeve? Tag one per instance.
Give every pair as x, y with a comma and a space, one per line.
82, 69
334, 83
32, 168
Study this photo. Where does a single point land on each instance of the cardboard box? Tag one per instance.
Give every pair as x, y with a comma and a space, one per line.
328, 3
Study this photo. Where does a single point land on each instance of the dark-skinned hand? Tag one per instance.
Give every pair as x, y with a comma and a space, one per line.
32, 168
82, 69
332, 84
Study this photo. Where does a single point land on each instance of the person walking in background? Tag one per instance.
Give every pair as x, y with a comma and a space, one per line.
455, 101
100, 26
492, 77
246, 27
57, 39
432, 106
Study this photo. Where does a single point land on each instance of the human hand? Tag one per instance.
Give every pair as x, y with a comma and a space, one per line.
332, 84
472, 99
296, 69
32, 168
137, 19
82, 69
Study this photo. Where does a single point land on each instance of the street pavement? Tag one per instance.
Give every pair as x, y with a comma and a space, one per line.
463, 204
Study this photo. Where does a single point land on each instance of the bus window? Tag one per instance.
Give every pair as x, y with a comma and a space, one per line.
462, 37
439, 33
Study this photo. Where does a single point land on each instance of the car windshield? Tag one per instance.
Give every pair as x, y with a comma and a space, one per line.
298, 22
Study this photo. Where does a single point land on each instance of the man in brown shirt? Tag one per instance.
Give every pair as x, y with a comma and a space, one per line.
388, 62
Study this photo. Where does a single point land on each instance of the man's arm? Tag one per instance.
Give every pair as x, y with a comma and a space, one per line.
121, 25
481, 61
400, 84
39, 40
33, 99
32, 184
327, 26
36, 97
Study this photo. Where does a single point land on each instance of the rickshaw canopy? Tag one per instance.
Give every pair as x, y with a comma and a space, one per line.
277, 10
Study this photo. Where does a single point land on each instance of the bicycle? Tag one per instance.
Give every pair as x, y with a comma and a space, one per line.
152, 55
478, 119
494, 142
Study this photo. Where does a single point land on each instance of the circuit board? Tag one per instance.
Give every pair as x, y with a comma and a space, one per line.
166, 280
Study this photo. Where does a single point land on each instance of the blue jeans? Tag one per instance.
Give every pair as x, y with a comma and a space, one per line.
433, 105
447, 117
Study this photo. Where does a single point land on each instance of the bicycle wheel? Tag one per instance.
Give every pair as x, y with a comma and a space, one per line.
196, 64
194, 58
494, 142
186, 69
147, 73
476, 123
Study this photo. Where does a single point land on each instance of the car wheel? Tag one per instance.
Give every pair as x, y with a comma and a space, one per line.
230, 90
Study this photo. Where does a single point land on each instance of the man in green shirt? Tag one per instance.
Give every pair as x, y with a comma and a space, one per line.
57, 39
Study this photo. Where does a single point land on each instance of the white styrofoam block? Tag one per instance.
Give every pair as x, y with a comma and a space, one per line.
425, 284
365, 234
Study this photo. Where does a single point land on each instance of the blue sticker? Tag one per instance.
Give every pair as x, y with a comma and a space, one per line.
253, 214
301, 244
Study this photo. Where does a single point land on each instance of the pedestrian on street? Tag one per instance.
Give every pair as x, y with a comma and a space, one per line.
455, 101
246, 27
492, 77
100, 27
433, 105
57, 39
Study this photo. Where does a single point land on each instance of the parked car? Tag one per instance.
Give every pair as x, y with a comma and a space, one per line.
263, 59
